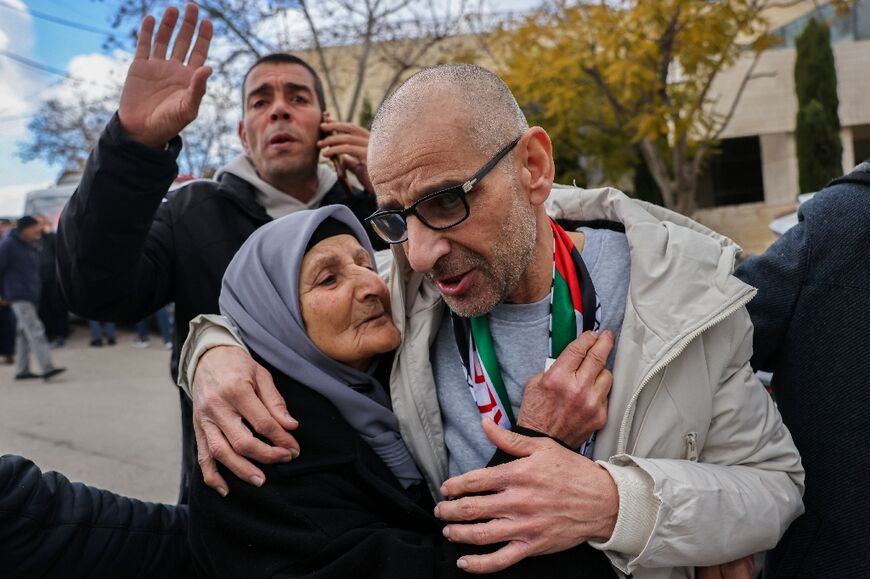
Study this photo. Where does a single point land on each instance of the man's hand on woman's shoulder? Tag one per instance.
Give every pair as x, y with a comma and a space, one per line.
229, 388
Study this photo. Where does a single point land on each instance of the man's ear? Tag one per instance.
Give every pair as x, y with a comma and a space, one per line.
243, 137
538, 169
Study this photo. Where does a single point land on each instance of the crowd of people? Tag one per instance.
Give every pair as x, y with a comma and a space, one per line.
450, 364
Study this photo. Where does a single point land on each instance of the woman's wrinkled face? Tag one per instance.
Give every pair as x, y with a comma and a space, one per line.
345, 304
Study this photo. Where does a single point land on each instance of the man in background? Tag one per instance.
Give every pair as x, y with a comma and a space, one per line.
811, 318
20, 286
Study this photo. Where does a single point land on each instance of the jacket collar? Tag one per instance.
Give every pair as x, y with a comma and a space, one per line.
680, 270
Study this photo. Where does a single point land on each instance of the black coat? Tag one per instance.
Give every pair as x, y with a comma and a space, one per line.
50, 527
19, 269
336, 511
124, 252
812, 330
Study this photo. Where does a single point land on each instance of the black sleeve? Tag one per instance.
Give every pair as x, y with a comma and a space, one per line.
115, 245
779, 275
50, 527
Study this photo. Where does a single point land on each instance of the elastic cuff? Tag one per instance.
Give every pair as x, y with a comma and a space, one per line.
638, 510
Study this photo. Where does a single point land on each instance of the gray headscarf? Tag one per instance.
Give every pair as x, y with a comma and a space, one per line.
260, 296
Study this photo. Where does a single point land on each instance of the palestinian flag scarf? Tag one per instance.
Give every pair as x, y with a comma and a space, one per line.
574, 308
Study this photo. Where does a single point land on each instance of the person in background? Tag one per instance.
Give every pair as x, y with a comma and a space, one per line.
143, 330
100, 330
52, 308
812, 330
20, 287
7, 320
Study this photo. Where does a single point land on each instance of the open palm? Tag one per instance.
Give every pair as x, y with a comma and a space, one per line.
162, 95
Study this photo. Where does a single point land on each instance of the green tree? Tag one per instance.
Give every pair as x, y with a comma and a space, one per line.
818, 146
817, 130
366, 114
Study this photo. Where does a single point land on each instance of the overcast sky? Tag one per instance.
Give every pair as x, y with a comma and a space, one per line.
54, 49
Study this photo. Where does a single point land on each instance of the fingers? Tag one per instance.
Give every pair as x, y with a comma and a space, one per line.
573, 355
510, 554
219, 448
596, 357
471, 509
185, 33
602, 386
344, 140
488, 533
510, 442
714, 572
196, 91
143, 43
244, 443
164, 33
273, 400
210, 473
476, 481
739, 569
203, 40
328, 126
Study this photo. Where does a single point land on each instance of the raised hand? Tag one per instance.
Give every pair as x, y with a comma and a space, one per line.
348, 142
162, 95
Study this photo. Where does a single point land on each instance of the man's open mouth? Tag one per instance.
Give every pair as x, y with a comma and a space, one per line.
281, 138
454, 284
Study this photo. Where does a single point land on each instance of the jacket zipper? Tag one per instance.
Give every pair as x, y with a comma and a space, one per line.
692, 446
671, 356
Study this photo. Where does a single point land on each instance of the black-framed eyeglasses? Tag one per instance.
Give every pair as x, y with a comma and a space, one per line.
439, 210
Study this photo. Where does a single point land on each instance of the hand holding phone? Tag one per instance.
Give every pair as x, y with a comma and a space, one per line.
346, 146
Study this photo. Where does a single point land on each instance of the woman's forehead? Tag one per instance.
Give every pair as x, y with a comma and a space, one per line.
333, 247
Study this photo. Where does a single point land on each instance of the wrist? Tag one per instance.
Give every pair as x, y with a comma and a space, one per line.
609, 503
149, 141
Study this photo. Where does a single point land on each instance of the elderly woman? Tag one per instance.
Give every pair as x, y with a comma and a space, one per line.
305, 298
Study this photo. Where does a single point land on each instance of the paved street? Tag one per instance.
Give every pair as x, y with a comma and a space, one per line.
111, 420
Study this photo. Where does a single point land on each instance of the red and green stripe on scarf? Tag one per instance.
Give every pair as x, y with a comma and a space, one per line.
574, 308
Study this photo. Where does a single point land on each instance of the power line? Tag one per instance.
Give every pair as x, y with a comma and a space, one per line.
58, 20
35, 65
49, 69
10, 118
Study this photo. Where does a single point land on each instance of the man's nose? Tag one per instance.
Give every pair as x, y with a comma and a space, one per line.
424, 246
280, 110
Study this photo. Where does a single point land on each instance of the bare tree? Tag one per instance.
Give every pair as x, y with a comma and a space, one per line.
64, 131
348, 41
67, 126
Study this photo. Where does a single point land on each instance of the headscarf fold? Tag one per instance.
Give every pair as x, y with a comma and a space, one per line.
260, 296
